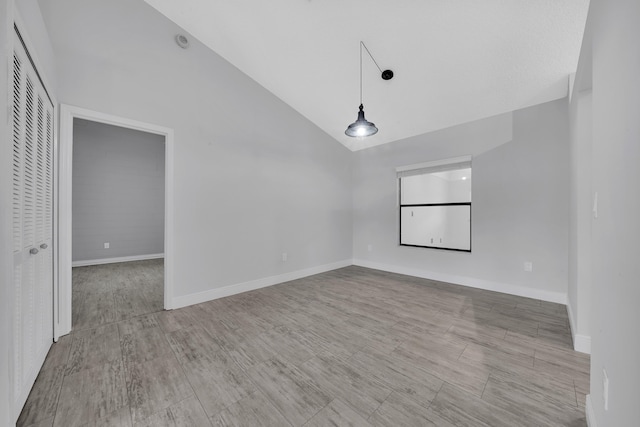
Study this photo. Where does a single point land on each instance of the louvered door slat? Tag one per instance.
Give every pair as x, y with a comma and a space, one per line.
48, 210
39, 172
28, 213
18, 115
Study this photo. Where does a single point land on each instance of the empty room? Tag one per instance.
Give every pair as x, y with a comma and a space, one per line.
306, 213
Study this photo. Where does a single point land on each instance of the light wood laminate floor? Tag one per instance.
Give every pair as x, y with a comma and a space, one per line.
110, 293
351, 347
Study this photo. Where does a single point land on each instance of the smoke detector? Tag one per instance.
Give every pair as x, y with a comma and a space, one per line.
182, 41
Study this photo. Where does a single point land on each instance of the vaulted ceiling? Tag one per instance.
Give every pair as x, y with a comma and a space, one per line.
454, 60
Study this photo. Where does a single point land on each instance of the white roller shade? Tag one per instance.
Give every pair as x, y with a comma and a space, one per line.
454, 163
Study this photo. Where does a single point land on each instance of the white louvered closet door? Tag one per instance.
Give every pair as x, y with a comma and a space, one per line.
33, 127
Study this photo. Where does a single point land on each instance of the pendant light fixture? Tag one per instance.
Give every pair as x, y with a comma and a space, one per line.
362, 127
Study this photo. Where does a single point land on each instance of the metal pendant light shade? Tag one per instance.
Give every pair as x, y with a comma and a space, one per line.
361, 127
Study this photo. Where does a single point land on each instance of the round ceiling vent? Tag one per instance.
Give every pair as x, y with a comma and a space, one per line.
182, 41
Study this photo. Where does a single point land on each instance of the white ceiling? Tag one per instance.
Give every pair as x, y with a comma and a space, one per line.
454, 60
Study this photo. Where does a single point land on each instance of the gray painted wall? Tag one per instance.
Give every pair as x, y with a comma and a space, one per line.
253, 178
519, 211
118, 192
615, 233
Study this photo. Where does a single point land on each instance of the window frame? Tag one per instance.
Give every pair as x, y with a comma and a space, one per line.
435, 167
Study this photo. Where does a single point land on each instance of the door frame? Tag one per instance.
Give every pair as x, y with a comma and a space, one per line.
62, 305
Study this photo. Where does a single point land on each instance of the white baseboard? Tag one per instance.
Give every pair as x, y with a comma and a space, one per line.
84, 263
211, 294
581, 343
591, 416
557, 297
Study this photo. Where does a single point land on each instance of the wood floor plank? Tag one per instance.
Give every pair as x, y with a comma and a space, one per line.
192, 343
119, 418
495, 358
533, 401
144, 345
58, 355
136, 324
94, 347
42, 423
292, 392
186, 413
247, 350
467, 376
92, 394
398, 411
337, 413
174, 320
130, 303
554, 387
287, 344
92, 310
43, 399
338, 378
463, 409
399, 375
217, 381
155, 385
253, 410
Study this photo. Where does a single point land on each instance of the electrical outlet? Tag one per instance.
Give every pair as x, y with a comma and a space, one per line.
106, 245
528, 266
605, 389
284, 256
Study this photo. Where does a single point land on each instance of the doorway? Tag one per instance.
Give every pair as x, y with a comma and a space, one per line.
105, 250
117, 223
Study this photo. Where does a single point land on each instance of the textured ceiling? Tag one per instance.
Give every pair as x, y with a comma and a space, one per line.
454, 60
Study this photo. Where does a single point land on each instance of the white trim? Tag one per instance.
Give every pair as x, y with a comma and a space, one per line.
472, 282
87, 262
581, 343
591, 416
425, 165
211, 294
67, 114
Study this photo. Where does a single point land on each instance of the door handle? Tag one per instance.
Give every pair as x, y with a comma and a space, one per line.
33, 251
43, 246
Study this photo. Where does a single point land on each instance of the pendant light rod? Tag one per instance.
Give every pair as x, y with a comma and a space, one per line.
361, 44
386, 74
372, 58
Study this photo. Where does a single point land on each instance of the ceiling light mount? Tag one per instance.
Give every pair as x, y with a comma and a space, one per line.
182, 41
361, 127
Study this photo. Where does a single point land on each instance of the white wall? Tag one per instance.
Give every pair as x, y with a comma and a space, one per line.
253, 178
28, 13
580, 201
615, 342
519, 211
6, 254
118, 192
581, 206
